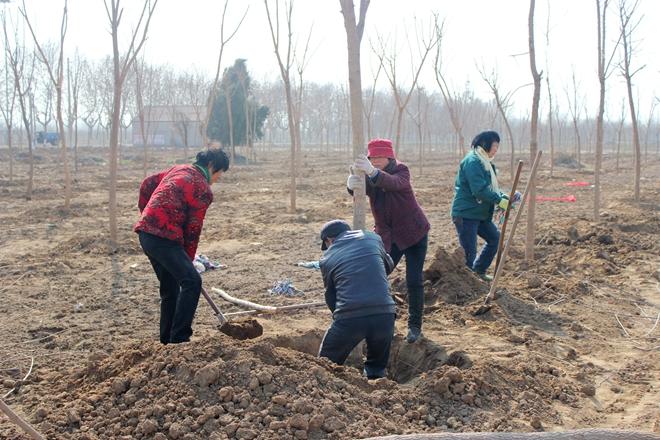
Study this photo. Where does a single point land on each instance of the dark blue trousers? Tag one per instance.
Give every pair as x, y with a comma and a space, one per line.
415, 256
180, 286
344, 334
468, 230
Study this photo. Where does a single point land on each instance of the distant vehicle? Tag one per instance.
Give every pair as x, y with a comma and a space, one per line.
52, 138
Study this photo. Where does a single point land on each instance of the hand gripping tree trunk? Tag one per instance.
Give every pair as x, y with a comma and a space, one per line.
354, 32
533, 143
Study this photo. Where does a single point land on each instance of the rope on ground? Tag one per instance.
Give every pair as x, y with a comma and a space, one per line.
17, 386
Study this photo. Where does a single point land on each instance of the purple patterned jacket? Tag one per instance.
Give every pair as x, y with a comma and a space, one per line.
399, 218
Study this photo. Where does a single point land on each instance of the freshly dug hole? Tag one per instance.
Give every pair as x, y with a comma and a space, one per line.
407, 361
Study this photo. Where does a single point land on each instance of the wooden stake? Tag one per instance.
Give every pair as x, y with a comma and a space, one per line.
25, 426
500, 245
498, 271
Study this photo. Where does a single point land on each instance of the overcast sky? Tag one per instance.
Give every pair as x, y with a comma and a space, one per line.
485, 32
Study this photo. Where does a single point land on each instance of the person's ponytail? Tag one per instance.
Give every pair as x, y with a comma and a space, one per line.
217, 158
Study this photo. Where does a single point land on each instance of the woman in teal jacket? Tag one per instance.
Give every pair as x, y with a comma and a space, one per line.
476, 195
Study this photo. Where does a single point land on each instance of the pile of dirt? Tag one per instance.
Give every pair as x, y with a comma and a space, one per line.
220, 388
567, 161
572, 257
447, 278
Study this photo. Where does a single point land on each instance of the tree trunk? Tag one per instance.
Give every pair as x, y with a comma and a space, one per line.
533, 143
635, 136
353, 40
65, 160
601, 106
11, 153
550, 128
230, 124
114, 146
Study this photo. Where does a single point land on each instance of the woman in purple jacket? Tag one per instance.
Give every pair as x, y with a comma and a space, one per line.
400, 221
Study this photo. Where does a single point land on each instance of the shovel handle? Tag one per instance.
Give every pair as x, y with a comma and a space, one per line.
532, 176
216, 311
506, 214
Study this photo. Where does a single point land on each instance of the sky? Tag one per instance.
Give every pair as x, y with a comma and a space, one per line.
487, 33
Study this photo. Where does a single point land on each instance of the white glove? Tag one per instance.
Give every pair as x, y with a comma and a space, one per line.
353, 181
363, 164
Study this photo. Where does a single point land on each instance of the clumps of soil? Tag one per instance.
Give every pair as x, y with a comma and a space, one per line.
244, 329
448, 279
573, 256
220, 388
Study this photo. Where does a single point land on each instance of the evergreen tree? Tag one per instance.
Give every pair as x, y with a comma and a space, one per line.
247, 116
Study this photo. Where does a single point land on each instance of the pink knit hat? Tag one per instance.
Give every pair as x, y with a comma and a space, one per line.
380, 148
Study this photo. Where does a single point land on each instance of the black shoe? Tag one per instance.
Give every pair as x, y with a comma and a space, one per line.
414, 334
486, 278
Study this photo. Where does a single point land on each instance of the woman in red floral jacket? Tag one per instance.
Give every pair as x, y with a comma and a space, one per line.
173, 204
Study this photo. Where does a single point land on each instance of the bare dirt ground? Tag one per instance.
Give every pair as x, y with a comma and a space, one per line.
572, 342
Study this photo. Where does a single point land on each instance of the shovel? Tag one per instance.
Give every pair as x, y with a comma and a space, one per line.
249, 329
486, 306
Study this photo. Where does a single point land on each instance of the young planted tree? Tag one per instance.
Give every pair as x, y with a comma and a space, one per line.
73, 97
145, 89
368, 109
389, 61
22, 75
604, 63
620, 134
7, 105
285, 62
547, 83
503, 104
44, 95
575, 111
420, 119
628, 25
453, 102
301, 64
230, 124
121, 64
55, 71
196, 89
213, 91
90, 99
647, 127
533, 142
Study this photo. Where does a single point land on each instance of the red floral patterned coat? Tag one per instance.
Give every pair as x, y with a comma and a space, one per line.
173, 204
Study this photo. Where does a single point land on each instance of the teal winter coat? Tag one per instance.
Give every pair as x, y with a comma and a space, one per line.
474, 197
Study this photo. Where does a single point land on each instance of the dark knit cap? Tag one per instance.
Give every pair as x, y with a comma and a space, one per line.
332, 229
485, 139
